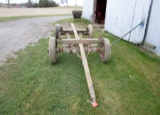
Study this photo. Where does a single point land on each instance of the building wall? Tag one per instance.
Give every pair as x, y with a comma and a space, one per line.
119, 20
88, 8
141, 13
153, 31
123, 15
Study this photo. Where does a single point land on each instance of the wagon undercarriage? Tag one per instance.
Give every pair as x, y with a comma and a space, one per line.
81, 46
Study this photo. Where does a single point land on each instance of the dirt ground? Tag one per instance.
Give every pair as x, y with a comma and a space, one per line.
8, 12
17, 34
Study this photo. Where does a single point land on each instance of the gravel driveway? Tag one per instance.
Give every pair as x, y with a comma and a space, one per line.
16, 35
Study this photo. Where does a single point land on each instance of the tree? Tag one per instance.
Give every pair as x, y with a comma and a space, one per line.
40, 3
62, 2
47, 3
29, 4
67, 2
8, 2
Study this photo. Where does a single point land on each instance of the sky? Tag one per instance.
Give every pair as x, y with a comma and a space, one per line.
70, 2
17, 1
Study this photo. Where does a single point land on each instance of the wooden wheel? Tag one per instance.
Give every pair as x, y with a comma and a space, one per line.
58, 31
105, 50
90, 31
52, 50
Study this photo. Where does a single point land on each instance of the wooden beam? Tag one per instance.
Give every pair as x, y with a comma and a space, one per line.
149, 45
77, 41
69, 50
70, 31
75, 45
86, 69
68, 36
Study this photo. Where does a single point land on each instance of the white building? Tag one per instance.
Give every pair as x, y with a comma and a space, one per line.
119, 16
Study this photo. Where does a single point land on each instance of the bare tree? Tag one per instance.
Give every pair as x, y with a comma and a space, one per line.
67, 2
62, 2
8, 2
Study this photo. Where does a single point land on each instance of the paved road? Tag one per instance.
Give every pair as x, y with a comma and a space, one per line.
16, 35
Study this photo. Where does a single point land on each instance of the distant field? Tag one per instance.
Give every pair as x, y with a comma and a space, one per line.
10, 12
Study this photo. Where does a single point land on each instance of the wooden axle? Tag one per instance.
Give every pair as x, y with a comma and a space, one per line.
70, 31
80, 41
77, 50
85, 45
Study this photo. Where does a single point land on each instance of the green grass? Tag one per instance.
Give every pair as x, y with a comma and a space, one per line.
127, 84
4, 19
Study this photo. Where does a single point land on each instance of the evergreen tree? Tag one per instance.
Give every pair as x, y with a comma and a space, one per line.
46, 3
29, 4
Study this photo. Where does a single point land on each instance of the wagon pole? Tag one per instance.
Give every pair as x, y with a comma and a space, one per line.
86, 68
140, 24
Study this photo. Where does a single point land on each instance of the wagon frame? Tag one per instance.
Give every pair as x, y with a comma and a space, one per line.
80, 46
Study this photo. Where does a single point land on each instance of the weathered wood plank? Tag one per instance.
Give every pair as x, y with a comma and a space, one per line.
86, 69
76, 41
70, 31
68, 36
77, 50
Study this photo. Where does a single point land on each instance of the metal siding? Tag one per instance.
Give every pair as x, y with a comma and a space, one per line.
141, 12
119, 15
88, 8
153, 33
123, 15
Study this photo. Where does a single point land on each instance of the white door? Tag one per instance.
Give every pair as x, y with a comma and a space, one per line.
142, 8
123, 15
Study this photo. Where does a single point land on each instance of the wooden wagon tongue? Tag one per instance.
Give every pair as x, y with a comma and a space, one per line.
86, 68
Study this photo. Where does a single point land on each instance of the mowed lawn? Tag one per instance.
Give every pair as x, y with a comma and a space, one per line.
129, 84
